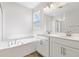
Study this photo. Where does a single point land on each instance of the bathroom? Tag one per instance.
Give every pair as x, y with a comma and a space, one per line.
39, 29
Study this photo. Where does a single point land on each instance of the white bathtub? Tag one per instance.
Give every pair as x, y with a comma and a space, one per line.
21, 48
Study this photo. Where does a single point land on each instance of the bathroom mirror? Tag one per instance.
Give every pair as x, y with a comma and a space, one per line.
66, 18
59, 22
71, 22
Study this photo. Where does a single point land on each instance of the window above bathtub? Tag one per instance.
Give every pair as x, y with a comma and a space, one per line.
37, 20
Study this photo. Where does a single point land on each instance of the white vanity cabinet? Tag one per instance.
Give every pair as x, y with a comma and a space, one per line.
63, 48
43, 46
55, 48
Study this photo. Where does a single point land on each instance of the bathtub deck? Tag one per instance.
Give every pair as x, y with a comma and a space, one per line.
34, 54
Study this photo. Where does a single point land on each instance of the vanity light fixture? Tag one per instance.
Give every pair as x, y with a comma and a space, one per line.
52, 6
46, 8
55, 5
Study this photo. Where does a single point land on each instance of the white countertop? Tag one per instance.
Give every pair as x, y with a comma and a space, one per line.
63, 35
73, 37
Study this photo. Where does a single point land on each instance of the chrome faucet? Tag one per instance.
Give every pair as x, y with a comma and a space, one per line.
68, 33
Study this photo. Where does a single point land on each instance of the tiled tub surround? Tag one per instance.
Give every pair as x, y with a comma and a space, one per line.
18, 48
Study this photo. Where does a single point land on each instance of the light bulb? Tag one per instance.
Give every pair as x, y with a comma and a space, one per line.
47, 8
44, 9
52, 6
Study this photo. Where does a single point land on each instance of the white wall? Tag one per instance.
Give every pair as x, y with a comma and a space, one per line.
17, 20
0, 24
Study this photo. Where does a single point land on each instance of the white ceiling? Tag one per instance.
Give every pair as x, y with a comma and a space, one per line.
30, 5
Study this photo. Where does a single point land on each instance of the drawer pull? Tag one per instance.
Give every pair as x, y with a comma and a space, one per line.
63, 51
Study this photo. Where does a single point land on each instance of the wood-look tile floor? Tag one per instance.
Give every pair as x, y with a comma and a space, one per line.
34, 54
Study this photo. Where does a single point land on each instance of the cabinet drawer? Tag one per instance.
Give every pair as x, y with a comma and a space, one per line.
67, 42
59, 50
70, 52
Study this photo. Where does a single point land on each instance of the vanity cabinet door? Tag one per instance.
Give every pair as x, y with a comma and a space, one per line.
59, 50
70, 52
38, 48
43, 47
55, 50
